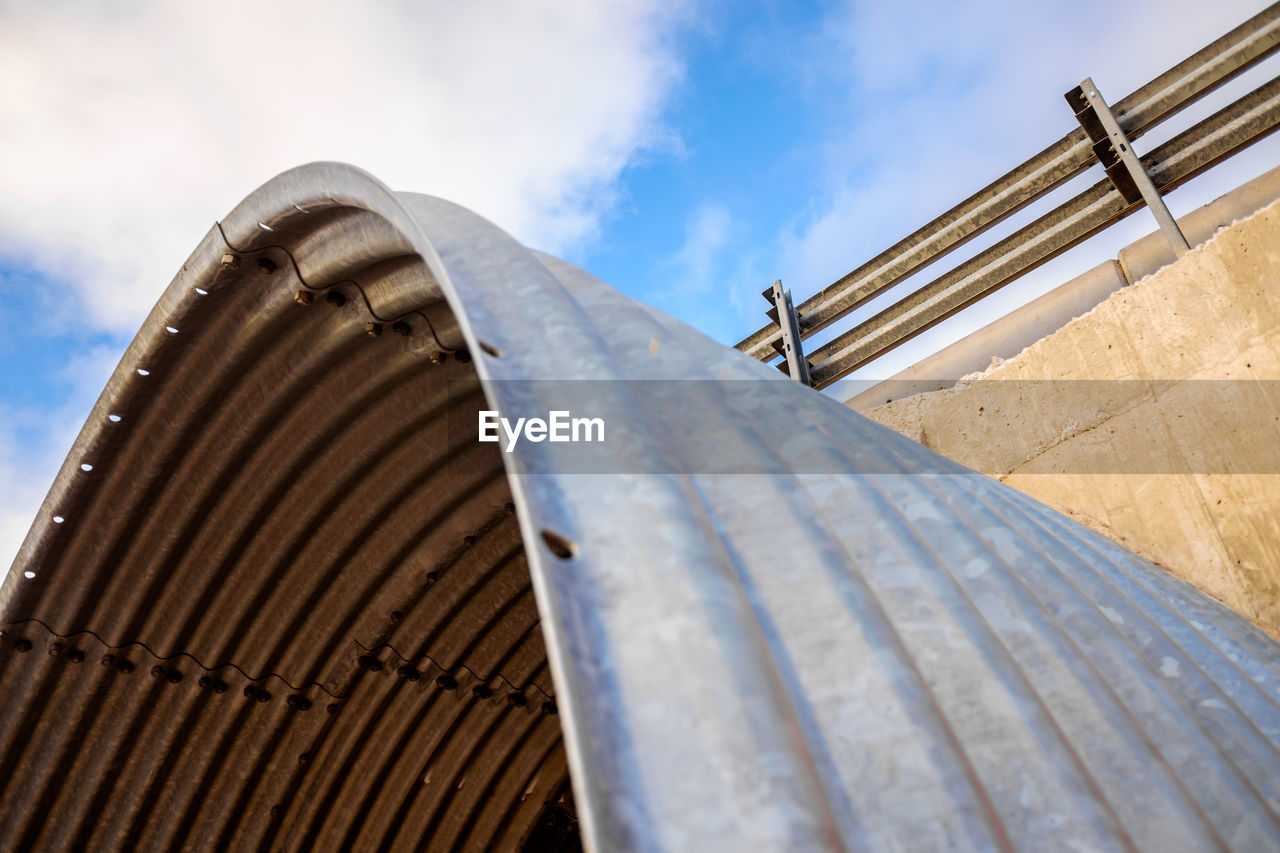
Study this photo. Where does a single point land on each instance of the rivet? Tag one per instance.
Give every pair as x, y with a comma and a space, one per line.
75, 656
266, 265
463, 356
263, 697
249, 690
23, 645
438, 357
304, 759
125, 667
448, 682
470, 540
204, 681
174, 676
373, 330
304, 297
484, 691
55, 649
510, 508
400, 327
157, 671
108, 660
335, 298
370, 663
298, 702
550, 708
432, 577
396, 615
275, 811
333, 707
230, 261
517, 699
219, 686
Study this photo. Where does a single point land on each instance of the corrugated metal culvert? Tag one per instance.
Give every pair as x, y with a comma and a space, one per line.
282, 598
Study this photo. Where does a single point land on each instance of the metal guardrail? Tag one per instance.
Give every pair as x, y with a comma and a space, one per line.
1207, 143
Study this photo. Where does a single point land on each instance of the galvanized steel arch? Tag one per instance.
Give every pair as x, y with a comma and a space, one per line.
288, 606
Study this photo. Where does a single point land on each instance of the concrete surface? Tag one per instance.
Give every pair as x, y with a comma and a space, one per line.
1150, 419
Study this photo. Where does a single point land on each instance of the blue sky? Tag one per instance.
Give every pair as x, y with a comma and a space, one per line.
687, 153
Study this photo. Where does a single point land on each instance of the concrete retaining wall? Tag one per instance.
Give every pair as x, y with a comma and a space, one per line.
1154, 418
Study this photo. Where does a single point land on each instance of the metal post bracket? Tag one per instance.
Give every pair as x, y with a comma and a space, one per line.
784, 314
1115, 152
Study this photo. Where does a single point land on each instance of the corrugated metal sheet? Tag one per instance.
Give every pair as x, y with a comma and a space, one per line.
289, 607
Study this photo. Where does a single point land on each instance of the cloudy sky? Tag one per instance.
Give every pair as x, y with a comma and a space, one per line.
687, 152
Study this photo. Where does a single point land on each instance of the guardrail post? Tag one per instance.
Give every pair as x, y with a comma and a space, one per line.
1118, 158
784, 314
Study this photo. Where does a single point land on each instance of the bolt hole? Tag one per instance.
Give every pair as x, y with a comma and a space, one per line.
171, 330
491, 349
86, 467
336, 299
115, 419
561, 547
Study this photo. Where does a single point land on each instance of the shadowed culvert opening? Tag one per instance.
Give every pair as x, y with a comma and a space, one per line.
295, 510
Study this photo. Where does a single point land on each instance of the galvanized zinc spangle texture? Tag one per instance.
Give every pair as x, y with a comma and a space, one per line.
289, 607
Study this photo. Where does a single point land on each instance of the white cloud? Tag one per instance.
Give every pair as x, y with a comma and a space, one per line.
707, 234
130, 127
